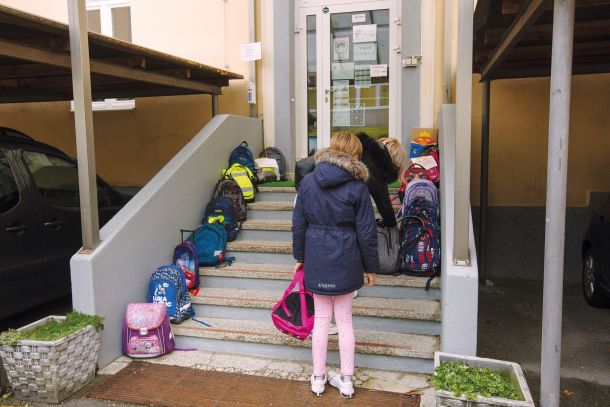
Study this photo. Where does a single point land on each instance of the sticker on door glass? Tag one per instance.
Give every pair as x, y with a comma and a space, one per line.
365, 52
379, 70
362, 76
365, 33
342, 70
341, 94
341, 49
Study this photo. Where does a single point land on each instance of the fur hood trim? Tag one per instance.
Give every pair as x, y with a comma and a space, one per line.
345, 161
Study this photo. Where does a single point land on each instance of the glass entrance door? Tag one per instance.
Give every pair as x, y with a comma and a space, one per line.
346, 71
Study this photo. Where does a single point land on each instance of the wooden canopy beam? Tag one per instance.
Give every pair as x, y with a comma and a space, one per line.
37, 55
526, 18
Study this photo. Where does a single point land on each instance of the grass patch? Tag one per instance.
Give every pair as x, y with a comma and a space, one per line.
461, 379
52, 330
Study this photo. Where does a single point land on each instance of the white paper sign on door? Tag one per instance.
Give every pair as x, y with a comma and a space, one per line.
341, 49
379, 70
341, 117
341, 94
250, 52
365, 51
358, 18
342, 70
362, 76
365, 33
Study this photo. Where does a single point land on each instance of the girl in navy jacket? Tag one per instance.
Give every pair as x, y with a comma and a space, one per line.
335, 236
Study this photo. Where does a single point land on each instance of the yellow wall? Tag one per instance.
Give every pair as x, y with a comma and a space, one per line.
131, 146
519, 136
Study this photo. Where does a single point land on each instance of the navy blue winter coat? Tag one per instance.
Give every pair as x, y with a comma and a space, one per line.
333, 225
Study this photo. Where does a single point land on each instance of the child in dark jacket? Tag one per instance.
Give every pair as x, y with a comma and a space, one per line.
334, 235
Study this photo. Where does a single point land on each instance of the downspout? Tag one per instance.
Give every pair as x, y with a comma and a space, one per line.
252, 75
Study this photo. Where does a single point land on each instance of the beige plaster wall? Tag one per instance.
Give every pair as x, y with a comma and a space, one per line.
131, 146
519, 136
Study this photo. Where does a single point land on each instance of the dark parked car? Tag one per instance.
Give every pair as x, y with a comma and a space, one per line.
40, 227
596, 258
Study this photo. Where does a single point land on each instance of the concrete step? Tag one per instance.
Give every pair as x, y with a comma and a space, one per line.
276, 276
374, 349
376, 307
278, 210
266, 230
261, 251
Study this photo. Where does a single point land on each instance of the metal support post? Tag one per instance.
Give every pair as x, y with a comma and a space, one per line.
252, 38
83, 123
214, 104
461, 243
557, 170
447, 45
482, 249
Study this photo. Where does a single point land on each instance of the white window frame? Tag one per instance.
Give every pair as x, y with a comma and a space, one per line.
105, 7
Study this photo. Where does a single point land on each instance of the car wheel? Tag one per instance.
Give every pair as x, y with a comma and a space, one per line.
591, 288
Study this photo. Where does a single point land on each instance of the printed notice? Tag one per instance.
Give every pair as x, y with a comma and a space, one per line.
341, 94
379, 70
365, 33
341, 117
362, 76
357, 114
250, 52
342, 70
365, 52
341, 49
358, 18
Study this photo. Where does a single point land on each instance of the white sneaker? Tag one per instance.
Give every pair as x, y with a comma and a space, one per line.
355, 293
332, 330
318, 385
345, 388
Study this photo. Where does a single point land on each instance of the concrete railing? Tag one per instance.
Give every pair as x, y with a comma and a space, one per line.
459, 284
142, 235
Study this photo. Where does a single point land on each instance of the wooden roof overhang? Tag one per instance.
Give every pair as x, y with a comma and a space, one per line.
512, 38
35, 65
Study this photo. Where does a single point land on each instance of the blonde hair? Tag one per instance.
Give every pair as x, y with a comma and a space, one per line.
347, 143
397, 152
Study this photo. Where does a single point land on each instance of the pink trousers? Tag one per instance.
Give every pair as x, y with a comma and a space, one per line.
324, 305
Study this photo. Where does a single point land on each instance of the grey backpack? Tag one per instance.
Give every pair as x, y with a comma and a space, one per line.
276, 154
388, 246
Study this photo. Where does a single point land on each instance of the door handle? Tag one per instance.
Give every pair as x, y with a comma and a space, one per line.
328, 91
17, 229
54, 224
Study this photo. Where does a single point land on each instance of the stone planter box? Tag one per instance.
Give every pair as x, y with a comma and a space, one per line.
51, 371
511, 370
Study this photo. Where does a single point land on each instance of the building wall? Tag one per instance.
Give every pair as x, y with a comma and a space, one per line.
131, 146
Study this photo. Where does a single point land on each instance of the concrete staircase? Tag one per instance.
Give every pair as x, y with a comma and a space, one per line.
397, 323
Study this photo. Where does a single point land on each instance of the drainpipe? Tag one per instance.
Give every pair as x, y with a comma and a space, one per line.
252, 39
557, 170
482, 251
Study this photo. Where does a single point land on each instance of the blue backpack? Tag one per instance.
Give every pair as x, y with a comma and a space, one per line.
222, 212
185, 256
242, 155
168, 285
211, 243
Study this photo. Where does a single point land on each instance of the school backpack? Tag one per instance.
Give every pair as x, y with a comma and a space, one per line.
294, 313
168, 286
185, 257
244, 178
388, 247
419, 188
221, 211
414, 172
420, 249
276, 154
267, 170
229, 188
243, 155
210, 240
146, 331
435, 172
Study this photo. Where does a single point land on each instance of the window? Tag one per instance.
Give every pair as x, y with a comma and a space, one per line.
113, 19
57, 180
9, 194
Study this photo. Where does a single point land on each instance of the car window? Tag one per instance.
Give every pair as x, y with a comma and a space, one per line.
9, 194
57, 179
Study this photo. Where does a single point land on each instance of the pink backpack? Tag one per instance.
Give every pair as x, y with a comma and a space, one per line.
146, 331
435, 172
293, 314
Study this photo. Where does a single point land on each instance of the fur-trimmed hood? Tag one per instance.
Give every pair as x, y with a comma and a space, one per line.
335, 167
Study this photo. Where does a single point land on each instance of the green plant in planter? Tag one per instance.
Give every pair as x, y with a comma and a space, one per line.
53, 330
460, 378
